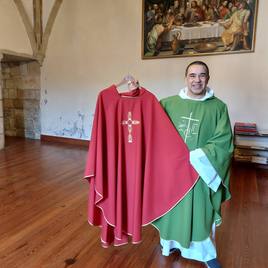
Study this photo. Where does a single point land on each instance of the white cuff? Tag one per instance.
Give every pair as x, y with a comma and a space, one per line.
204, 168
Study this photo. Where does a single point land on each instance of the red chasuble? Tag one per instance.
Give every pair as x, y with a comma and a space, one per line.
138, 166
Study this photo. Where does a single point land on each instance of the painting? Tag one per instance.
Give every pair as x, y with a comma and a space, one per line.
181, 28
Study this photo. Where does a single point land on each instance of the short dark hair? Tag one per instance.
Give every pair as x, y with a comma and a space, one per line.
197, 63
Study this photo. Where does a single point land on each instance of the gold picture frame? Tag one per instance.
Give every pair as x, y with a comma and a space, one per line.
182, 28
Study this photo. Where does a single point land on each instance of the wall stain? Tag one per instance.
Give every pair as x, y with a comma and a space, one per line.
73, 129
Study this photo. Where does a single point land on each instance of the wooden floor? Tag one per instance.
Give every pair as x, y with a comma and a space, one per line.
43, 216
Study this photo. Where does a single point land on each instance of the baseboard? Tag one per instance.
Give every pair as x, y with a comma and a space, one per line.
48, 138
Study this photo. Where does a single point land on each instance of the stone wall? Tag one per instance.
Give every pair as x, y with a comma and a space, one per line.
21, 99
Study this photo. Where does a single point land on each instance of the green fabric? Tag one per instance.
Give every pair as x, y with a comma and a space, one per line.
209, 129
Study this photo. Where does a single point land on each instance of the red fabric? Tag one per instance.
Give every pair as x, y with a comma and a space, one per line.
134, 183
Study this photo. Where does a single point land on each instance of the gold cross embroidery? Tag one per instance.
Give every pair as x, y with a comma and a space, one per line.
129, 122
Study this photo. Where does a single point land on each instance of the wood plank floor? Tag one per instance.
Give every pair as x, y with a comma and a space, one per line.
43, 216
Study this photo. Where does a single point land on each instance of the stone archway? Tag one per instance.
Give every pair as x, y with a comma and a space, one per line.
19, 96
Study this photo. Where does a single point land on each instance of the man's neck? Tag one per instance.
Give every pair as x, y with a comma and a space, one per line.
194, 96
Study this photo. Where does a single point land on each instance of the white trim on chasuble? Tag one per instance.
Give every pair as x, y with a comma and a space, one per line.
189, 127
129, 122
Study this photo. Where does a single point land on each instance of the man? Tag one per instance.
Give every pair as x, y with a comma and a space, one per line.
203, 122
154, 37
236, 28
195, 13
223, 9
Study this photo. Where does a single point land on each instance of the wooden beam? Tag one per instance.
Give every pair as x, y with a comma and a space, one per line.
49, 25
38, 39
27, 24
38, 23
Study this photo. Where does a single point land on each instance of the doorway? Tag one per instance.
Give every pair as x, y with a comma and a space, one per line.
20, 97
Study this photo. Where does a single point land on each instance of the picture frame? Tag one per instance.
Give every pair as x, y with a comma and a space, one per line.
182, 28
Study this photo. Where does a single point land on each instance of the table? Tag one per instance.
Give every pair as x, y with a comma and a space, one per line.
205, 30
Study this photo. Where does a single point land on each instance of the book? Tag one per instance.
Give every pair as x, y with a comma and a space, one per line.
263, 132
251, 145
250, 152
245, 128
243, 124
259, 160
251, 158
246, 132
257, 142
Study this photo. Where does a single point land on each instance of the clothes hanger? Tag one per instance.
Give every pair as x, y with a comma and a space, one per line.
131, 82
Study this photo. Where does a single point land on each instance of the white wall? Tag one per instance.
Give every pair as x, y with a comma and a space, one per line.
95, 43
13, 35
102, 42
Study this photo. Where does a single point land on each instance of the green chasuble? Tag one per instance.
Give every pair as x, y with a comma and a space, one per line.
202, 124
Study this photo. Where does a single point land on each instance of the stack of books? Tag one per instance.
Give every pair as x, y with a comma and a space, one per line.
250, 145
245, 128
251, 155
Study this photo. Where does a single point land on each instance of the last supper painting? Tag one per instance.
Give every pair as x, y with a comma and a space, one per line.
181, 28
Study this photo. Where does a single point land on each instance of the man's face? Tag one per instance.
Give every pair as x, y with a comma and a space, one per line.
196, 81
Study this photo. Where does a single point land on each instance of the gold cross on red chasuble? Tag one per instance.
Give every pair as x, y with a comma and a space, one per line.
129, 122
